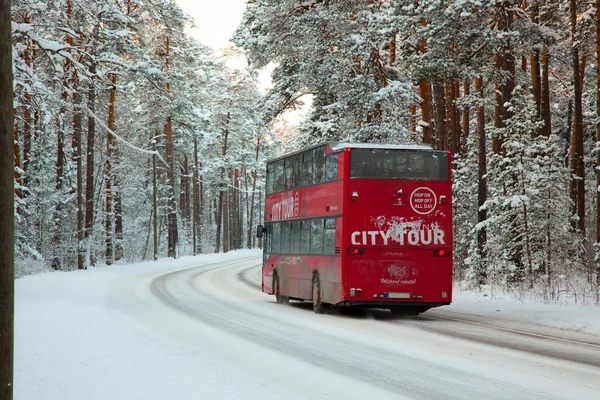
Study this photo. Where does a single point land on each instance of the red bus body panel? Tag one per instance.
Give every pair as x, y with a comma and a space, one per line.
398, 242
402, 227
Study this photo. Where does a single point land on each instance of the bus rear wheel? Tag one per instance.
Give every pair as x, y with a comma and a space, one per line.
278, 297
318, 306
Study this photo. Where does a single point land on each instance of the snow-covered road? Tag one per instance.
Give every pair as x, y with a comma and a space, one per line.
201, 328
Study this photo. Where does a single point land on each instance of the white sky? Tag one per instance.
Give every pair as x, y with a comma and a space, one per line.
216, 20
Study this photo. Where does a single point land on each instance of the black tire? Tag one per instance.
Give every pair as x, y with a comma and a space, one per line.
279, 298
318, 306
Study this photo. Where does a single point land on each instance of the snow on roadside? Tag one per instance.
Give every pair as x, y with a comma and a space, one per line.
70, 341
569, 317
71, 344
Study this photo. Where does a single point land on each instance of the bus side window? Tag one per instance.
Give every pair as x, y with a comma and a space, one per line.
319, 162
305, 237
267, 243
268, 237
297, 171
316, 236
276, 239
270, 178
295, 237
285, 237
279, 177
331, 168
289, 177
329, 236
307, 167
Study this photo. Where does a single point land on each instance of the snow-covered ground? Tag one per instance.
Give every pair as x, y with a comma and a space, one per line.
570, 317
106, 333
73, 342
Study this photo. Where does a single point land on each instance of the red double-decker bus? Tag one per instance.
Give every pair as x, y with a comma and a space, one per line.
358, 224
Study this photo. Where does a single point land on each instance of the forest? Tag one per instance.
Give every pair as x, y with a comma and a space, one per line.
133, 141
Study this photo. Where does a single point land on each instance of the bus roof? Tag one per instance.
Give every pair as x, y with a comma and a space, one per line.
341, 146
345, 145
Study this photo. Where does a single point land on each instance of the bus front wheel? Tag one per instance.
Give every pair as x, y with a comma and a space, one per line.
278, 297
318, 306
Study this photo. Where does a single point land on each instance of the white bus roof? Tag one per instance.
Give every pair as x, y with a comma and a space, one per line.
343, 145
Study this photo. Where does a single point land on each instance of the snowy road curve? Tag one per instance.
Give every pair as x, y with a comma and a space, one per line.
350, 355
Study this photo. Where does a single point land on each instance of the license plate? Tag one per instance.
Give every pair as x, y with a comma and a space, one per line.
397, 295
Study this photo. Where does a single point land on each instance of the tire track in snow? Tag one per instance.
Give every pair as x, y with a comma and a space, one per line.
187, 291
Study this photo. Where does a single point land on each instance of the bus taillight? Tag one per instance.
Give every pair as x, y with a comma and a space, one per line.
356, 251
441, 253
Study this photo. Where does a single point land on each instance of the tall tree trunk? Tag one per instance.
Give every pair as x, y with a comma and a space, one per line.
154, 201
219, 212
536, 83
509, 74
89, 175
454, 122
172, 204
482, 180
226, 214
195, 202
118, 243
545, 107
60, 159
200, 217
254, 173
449, 111
597, 140
78, 154
237, 208
499, 110
413, 117
568, 134
7, 196
184, 192
465, 119
110, 144
247, 207
440, 115
426, 98
17, 158
27, 119
577, 187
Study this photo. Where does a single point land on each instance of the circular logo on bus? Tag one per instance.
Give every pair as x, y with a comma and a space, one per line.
423, 200
296, 204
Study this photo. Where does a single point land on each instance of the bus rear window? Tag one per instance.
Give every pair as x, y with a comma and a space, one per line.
399, 164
